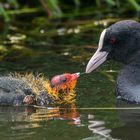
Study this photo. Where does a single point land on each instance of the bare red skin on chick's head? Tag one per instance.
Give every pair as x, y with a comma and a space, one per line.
64, 79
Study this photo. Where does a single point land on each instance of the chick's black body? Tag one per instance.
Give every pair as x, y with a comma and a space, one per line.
14, 90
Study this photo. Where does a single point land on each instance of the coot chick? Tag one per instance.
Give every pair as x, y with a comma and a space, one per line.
121, 42
27, 89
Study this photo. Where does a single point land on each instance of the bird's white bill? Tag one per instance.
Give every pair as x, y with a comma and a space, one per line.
99, 57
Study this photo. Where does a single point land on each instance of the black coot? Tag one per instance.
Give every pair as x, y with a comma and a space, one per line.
121, 42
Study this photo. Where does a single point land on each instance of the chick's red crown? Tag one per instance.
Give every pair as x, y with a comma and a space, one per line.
66, 78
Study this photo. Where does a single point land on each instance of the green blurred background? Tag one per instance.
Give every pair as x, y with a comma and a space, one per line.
57, 36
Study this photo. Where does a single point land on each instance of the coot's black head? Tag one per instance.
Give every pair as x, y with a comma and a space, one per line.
120, 41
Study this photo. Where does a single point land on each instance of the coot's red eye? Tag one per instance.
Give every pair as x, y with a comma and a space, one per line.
112, 40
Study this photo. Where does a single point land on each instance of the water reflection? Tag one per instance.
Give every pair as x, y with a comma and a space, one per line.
25, 122
98, 127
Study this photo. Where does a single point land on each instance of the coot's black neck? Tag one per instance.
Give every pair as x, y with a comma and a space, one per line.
135, 58
128, 81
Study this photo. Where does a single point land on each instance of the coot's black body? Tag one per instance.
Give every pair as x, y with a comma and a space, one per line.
121, 42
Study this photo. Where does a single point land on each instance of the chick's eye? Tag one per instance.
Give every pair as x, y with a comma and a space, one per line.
112, 40
63, 79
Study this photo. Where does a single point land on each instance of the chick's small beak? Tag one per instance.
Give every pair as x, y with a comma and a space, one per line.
75, 76
99, 57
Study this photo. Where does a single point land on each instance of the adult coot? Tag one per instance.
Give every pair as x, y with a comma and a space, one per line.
121, 42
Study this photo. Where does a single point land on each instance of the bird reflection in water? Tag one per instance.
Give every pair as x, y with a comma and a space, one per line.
37, 117
53, 113
32, 116
98, 129
71, 114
